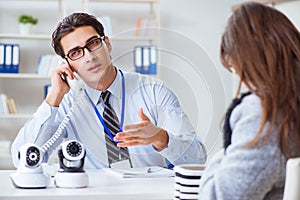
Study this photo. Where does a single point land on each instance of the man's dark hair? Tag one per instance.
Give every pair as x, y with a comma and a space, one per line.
69, 24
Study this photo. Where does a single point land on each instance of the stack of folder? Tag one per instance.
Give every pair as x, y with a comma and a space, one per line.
145, 59
9, 58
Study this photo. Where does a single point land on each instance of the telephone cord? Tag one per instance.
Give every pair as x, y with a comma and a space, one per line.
59, 130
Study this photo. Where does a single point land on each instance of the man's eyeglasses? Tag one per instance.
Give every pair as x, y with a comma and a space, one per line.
93, 45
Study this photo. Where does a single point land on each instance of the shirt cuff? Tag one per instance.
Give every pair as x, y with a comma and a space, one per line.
179, 148
167, 152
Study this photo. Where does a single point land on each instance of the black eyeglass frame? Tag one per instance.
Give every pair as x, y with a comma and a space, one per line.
85, 47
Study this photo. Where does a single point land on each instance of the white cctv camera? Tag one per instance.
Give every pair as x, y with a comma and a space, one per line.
30, 173
73, 150
71, 156
30, 156
71, 161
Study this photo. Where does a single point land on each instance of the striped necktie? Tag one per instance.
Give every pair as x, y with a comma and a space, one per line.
112, 122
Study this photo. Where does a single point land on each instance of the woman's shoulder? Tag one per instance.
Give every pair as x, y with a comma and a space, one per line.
250, 105
247, 115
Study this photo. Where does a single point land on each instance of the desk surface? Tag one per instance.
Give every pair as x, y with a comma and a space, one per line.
102, 185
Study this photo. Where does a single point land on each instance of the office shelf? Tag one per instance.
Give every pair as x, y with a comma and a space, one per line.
23, 76
48, 37
15, 116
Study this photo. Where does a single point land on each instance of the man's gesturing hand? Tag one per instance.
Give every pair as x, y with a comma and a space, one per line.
143, 133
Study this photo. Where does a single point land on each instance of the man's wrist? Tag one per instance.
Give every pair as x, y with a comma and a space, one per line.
161, 140
54, 100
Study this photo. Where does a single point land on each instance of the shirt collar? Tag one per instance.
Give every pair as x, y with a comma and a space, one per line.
114, 89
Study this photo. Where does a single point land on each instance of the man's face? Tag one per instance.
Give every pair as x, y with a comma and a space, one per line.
94, 65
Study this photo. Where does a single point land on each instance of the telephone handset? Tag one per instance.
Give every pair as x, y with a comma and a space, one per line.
76, 84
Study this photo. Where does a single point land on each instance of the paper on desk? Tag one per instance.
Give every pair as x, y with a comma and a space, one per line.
143, 172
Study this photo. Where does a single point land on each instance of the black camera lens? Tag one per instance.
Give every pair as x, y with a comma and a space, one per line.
74, 149
32, 156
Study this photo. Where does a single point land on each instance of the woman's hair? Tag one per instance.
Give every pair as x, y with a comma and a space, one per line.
69, 24
263, 46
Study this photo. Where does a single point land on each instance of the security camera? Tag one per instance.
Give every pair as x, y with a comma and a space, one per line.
73, 150
71, 161
29, 173
30, 156
71, 156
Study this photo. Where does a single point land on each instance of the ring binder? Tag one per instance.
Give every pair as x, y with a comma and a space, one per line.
9, 58
145, 59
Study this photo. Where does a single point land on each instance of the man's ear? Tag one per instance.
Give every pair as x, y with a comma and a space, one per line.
108, 44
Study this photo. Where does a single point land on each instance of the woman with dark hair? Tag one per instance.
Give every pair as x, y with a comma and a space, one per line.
261, 127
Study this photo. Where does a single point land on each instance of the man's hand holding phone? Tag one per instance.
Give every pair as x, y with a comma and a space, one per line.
59, 86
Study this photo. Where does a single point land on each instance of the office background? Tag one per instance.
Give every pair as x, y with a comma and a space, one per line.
190, 33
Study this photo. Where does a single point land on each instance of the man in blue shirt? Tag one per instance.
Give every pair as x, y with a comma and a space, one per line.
153, 126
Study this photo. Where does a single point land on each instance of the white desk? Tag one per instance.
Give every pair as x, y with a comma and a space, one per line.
102, 185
